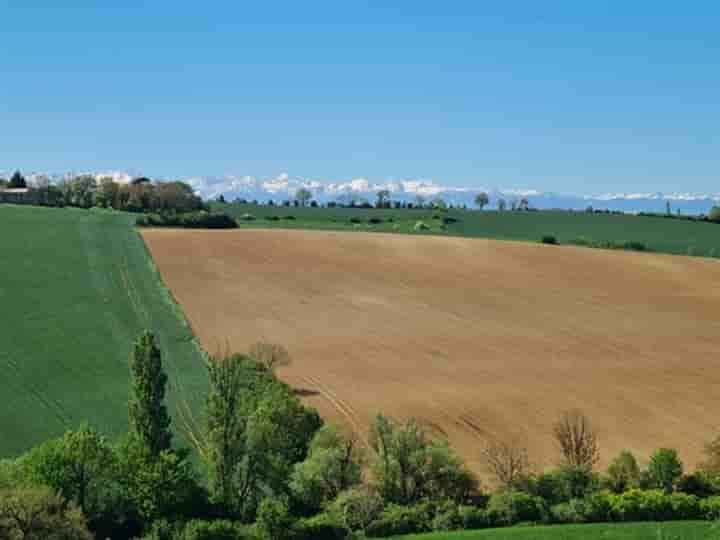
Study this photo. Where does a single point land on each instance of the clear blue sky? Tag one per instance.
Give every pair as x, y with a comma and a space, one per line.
565, 96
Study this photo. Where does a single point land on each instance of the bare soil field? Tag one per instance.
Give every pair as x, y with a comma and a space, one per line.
475, 338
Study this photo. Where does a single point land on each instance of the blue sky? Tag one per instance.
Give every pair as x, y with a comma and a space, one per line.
563, 96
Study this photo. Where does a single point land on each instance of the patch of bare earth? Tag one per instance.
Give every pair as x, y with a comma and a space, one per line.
476, 338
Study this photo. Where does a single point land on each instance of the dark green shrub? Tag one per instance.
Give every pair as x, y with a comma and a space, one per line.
450, 516
355, 219
573, 511
598, 507
685, 506
664, 469
449, 220
396, 520
697, 484
714, 214
710, 508
375, 221
320, 527
211, 530
634, 245
289, 218
511, 507
272, 218
549, 239
639, 505
274, 521
576, 482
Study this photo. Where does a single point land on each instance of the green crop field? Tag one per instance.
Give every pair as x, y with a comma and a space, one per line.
76, 289
675, 530
657, 233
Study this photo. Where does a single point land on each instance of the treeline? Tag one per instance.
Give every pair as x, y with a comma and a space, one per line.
270, 469
85, 191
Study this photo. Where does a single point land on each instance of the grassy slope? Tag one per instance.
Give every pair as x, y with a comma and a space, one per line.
659, 234
76, 289
679, 530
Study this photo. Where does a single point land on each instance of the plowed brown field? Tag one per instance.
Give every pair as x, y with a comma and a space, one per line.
476, 338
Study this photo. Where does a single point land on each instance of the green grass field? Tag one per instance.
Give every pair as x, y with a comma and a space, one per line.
658, 234
76, 289
677, 530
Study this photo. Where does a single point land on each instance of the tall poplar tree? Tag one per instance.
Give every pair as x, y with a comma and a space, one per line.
149, 419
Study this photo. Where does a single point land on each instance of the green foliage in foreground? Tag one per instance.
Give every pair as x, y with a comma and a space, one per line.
77, 288
686, 530
615, 231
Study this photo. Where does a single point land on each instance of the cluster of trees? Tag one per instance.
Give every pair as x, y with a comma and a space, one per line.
139, 195
17, 181
272, 470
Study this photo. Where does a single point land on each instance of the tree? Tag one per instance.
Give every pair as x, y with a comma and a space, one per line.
482, 200
507, 461
383, 199
409, 466
501, 205
714, 214
274, 521
577, 439
419, 201
302, 196
270, 355
17, 181
664, 469
149, 419
79, 465
623, 473
711, 463
256, 431
524, 204
668, 210
40, 514
334, 464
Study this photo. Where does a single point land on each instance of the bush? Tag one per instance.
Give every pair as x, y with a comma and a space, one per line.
573, 511
211, 530
319, 527
272, 218
375, 220
189, 220
449, 220
396, 520
664, 469
714, 214
421, 226
549, 239
639, 505
697, 484
511, 507
355, 220
289, 218
274, 521
710, 508
685, 506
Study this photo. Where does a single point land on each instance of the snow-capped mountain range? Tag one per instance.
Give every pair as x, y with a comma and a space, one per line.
284, 187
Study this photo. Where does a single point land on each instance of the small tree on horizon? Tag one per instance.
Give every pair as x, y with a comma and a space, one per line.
17, 181
482, 200
149, 419
302, 196
383, 198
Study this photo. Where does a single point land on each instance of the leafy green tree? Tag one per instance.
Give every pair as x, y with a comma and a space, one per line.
274, 521
333, 464
410, 466
149, 419
256, 431
383, 199
482, 200
17, 181
79, 465
664, 469
714, 214
303, 196
157, 486
39, 514
623, 473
